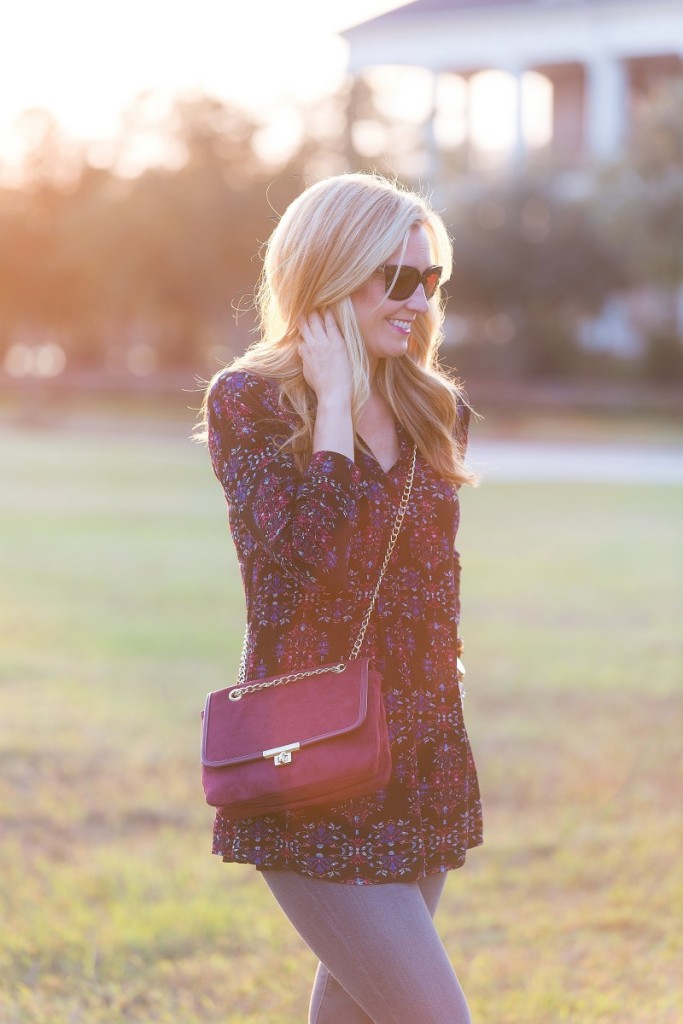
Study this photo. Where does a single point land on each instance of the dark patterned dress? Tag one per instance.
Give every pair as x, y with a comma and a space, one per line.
310, 548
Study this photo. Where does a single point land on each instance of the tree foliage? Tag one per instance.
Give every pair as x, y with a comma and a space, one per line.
642, 197
167, 254
108, 259
523, 251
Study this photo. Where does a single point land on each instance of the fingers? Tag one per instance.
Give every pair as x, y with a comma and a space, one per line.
309, 327
320, 329
312, 328
331, 327
323, 353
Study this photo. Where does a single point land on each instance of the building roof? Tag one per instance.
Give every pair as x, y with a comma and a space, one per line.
427, 7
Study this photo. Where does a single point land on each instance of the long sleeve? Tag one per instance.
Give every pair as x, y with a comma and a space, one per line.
304, 521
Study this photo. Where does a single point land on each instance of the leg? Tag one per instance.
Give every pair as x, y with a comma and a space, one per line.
330, 1002
379, 942
431, 889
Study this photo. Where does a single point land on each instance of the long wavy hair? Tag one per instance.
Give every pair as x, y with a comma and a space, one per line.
328, 243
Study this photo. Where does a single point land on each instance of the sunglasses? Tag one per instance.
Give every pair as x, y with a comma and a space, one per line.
401, 281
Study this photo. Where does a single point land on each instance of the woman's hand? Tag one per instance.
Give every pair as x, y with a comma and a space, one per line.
325, 358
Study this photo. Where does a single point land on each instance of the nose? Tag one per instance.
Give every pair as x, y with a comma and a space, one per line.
418, 301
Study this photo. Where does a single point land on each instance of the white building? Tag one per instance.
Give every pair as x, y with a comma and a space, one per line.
598, 56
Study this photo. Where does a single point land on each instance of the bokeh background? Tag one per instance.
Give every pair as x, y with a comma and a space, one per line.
146, 151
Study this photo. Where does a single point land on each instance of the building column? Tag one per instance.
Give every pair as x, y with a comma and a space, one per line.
518, 150
606, 103
467, 117
430, 141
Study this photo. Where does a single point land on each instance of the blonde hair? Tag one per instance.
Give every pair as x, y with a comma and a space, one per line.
328, 243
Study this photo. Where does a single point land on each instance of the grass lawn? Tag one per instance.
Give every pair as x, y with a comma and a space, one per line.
122, 607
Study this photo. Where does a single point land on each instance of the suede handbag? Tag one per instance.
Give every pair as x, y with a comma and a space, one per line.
308, 737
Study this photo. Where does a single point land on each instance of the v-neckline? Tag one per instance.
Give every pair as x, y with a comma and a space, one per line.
369, 453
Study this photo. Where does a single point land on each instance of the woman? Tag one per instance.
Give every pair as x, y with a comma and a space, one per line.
311, 434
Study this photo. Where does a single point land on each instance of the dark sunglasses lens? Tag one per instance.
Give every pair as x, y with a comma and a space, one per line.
401, 282
431, 281
401, 285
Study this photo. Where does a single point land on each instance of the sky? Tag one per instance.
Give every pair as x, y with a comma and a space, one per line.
85, 60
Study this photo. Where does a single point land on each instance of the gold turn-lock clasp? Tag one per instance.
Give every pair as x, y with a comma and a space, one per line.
282, 755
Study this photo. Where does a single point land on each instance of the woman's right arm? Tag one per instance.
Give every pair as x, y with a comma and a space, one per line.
304, 521
327, 370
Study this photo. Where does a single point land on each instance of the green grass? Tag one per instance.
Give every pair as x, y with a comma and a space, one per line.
122, 607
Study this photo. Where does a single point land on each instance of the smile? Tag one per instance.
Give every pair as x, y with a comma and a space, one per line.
404, 326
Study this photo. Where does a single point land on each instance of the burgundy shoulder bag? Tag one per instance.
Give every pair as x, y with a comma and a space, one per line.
312, 736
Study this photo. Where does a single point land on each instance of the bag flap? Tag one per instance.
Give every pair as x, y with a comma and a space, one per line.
306, 711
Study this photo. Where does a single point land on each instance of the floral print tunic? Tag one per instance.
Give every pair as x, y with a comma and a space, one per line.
310, 547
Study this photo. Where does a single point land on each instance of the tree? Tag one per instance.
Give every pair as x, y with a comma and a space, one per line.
641, 200
166, 252
523, 252
640, 205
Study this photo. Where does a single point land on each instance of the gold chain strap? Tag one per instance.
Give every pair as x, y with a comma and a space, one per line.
398, 523
281, 680
237, 694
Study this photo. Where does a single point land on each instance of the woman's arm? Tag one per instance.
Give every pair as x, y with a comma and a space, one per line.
327, 370
333, 426
305, 522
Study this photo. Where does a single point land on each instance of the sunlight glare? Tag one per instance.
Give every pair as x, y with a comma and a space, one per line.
450, 121
493, 110
86, 63
402, 93
537, 116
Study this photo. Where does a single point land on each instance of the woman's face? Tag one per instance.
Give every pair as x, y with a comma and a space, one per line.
386, 323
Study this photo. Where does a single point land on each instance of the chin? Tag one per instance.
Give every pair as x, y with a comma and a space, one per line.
398, 349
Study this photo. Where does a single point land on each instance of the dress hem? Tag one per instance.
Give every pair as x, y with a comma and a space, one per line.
359, 880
